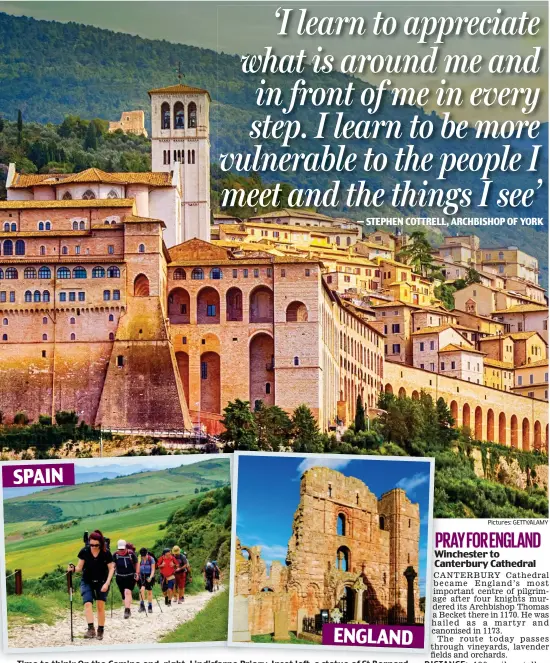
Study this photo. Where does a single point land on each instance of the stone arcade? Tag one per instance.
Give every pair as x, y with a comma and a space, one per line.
347, 550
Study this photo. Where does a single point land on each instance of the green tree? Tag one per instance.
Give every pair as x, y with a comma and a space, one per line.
1, 124
19, 127
90, 142
274, 427
472, 276
445, 293
418, 254
360, 423
305, 431
240, 427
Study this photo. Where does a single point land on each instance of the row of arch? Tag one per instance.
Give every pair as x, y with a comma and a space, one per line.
87, 195
489, 428
207, 396
178, 115
208, 308
179, 156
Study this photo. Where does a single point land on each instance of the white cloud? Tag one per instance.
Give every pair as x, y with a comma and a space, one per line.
332, 463
410, 484
274, 553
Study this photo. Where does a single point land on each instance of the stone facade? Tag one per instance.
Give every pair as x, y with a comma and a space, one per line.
348, 550
131, 122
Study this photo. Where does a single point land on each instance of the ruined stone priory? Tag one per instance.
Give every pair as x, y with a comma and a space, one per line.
348, 550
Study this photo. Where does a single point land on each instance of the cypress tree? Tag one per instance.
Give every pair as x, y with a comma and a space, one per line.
360, 423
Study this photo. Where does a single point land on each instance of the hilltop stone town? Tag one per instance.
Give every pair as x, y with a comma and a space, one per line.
124, 299
348, 551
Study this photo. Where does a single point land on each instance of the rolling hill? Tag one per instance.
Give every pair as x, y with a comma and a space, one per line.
31, 543
111, 72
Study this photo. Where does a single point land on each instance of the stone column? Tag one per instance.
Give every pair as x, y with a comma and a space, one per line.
358, 605
410, 574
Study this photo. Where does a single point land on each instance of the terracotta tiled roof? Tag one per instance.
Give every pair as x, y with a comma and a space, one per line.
301, 213
91, 175
459, 348
179, 89
75, 204
132, 218
498, 364
534, 364
433, 330
522, 308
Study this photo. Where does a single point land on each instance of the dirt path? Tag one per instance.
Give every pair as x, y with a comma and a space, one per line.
139, 629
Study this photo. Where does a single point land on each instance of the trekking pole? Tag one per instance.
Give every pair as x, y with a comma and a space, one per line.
112, 594
157, 599
70, 589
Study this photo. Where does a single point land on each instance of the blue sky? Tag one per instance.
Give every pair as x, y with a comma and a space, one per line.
269, 492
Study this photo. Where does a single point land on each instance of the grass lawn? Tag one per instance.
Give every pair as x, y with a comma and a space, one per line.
27, 609
268, 639
209, 625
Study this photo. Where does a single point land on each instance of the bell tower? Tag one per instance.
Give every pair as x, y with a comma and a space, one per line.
180, 141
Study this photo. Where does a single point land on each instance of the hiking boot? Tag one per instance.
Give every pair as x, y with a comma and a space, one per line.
165, 600
100, 633
127, 613
169, 602
90, 633
150, 608
141, 607
180, 600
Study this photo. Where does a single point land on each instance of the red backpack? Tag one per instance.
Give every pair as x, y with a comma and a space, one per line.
167, 565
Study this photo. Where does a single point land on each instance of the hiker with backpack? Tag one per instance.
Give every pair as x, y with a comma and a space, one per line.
146, 579
208, 573
97, 568
167, 565
217, 576
181, 573
127, 572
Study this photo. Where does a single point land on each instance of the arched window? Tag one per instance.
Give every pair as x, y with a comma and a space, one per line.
382, 522
4, 337
112, 194
113, 273
141, 286
12, 273
6, 227
80, 273
341, 525
73, 337
141, 248
216, 273
197, 274
88, 195
111, 317
72, 321
44, 273
179, 116
48, 225
5, 321
42, 250
296, 361
106, 295
192, 115
75, 225
111, 336
63, 273
46, 296
41, 225
8, 247
179, 274
28, 296
44, 321
44, 337
98, 273
67, 196
36, 296
30, 273
1, 273
82, 225
13, 227
165, 116
343, 559
296, 312
193, 156
64, 250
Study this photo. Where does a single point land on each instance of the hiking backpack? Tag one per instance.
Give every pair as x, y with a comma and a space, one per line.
123, 564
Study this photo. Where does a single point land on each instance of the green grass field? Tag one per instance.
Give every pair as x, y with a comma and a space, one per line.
210, 624
43, 552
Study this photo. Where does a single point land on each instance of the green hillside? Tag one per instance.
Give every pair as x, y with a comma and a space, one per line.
111, 72
100, 497
38, 549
